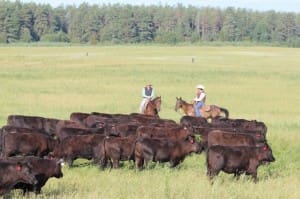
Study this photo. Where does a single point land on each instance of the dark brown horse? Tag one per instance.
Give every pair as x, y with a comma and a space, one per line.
207, 111
153, 107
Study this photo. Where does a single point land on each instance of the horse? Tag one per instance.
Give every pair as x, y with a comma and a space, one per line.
206, 111
153, 107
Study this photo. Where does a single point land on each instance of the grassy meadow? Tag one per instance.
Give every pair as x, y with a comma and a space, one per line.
259, 83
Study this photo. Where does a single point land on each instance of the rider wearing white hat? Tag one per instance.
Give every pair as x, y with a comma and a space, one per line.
147, 95
199, 100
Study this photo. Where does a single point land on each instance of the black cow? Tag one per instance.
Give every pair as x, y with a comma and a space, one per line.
147, 119
225, 138
69, 131
121, 129
178, 132
42, 169
80, 146
118, 149
204, 132
79, 117
252, 125
67, 124
34, 122
163, 150
191, 121
47, 125
22, 141
14, 172
237, 160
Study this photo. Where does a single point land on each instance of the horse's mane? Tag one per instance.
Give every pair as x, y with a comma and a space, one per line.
155, 99
183, 101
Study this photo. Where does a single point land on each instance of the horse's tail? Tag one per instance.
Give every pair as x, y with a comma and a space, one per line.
225, 111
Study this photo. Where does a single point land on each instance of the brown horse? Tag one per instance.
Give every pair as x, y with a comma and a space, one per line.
153, 107
207, 111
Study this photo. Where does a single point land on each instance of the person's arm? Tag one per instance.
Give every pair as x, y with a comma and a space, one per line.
201, 97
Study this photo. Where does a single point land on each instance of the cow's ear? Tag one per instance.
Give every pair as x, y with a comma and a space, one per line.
19, 167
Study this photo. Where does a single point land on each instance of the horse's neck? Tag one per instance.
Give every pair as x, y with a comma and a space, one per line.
150, 109
187, 104
187, 108
150, 106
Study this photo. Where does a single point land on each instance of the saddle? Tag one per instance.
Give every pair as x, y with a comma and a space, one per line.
206, 108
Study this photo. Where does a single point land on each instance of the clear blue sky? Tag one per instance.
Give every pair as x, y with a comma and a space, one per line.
278, 5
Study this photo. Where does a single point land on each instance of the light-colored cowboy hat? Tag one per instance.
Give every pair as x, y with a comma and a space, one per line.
200, 86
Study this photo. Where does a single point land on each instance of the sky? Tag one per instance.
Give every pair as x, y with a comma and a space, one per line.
261, 5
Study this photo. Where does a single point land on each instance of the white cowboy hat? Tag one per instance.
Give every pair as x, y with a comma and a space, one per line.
200, 86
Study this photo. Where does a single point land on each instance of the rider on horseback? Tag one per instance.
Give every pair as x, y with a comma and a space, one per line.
199, 100
147, 94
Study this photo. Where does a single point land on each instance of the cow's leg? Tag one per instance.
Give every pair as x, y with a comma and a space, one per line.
174, 163
212, 174
138, 163
253, 174
145, 162
237, 175
115, 163
147, 158
38, 190
103, 162
110, 165
252, 170
115, 159
212, 171
69, 160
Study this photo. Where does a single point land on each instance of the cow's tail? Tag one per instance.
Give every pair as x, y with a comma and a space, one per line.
207, 162
131, 156
103, 156
225, 111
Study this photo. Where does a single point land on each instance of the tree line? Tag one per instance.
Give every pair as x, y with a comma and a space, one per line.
31, 22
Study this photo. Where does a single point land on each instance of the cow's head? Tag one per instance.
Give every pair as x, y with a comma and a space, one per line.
265, 154
24, 171
194, 145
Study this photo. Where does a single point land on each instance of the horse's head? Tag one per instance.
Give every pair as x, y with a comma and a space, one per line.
157, 102
178, 104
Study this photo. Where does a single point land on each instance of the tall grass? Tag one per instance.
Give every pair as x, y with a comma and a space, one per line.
251, 82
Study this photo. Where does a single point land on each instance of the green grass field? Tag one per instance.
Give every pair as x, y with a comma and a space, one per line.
251, 82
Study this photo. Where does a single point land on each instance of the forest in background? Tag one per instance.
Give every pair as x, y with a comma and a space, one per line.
123, 24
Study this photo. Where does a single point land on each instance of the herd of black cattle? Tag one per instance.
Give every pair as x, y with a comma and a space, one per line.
34, 148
